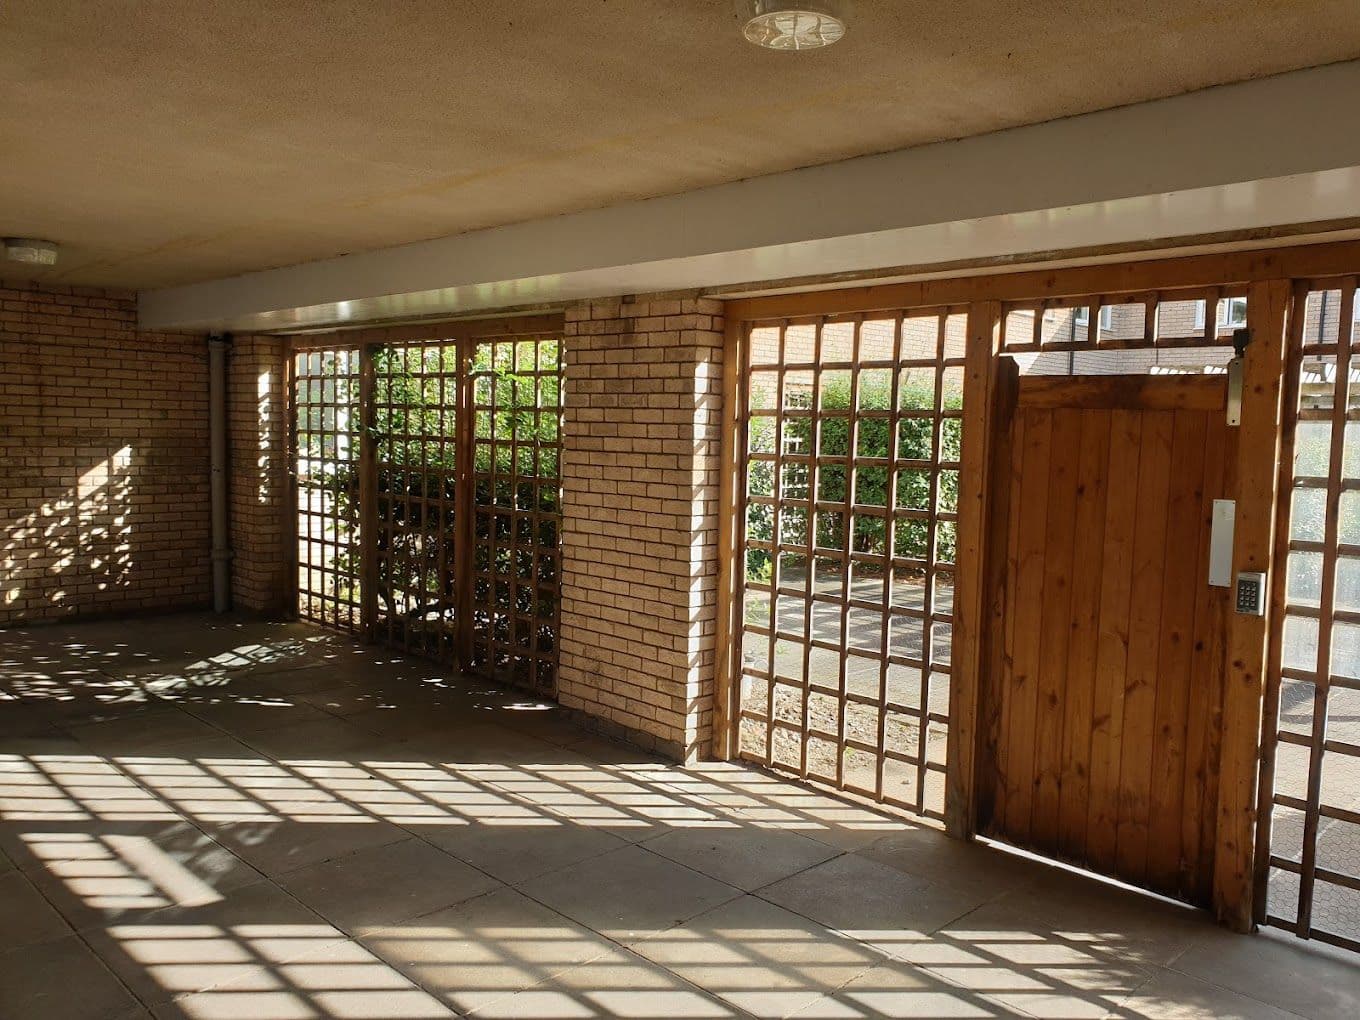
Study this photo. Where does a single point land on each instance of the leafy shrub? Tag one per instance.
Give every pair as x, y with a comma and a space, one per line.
873, 440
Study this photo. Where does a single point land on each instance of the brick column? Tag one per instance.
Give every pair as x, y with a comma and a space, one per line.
257, 415
640, 505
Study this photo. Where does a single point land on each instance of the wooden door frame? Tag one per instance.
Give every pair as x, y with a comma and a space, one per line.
1247, 643
989, 392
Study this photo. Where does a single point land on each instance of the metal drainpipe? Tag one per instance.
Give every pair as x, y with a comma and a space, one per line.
218, 347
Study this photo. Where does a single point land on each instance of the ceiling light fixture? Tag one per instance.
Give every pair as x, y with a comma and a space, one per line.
30, 250
793, 24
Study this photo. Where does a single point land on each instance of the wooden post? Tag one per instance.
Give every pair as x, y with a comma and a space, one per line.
725, 689
288, 599
970, 595
1256, 479
368, 497
464, 485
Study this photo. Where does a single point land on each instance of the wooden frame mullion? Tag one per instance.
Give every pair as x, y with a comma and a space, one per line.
980, 550
289, 525
889, 540
932, 561
849, 519
775, 546
813, 480
731, 545
1285, 487
1254, 477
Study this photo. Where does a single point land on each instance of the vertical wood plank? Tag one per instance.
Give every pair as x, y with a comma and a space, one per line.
1002, 536
1055, 623
1112, 638
1186, 535
725, 706
1087, 557
977, 487
1256, 479
1205, 707
1026, 614
1145, 615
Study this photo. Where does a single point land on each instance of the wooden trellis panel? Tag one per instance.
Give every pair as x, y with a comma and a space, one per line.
326, 452
1308, 871
847, 491
1152, 333
415, 428
429, 495
516, 386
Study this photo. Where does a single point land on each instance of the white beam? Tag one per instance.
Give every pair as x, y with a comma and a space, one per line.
1269, 152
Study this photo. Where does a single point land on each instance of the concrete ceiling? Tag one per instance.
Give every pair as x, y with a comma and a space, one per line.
169, 142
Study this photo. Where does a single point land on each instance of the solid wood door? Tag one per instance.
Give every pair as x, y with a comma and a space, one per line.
1103, 691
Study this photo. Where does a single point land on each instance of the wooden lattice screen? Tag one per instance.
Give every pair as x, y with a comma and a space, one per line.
1154, 333
1308, 871
429, 498
849, 454
415, 427
516, 510
326, 445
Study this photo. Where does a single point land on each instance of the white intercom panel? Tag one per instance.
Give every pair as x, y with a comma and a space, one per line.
1223, 523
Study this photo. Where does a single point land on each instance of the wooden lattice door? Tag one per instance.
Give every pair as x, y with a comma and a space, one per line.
1103, 689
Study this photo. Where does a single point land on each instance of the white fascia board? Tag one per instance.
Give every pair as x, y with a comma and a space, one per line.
1268, 152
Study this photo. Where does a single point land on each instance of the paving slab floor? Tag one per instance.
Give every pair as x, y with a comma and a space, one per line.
217, 818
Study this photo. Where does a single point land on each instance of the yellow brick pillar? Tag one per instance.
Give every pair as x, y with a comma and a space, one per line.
640, 465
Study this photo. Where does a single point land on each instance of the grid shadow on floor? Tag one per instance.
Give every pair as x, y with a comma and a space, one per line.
211, 818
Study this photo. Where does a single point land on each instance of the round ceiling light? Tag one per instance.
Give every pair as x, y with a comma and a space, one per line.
793, 24
30, 250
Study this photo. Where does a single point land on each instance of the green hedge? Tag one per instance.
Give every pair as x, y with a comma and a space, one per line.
871, 483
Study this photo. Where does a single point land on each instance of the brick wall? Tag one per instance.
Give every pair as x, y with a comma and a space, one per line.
640, 510
103, 456
257, 416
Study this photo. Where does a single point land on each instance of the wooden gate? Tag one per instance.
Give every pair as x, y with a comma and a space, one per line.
1103, 693
1158, 780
